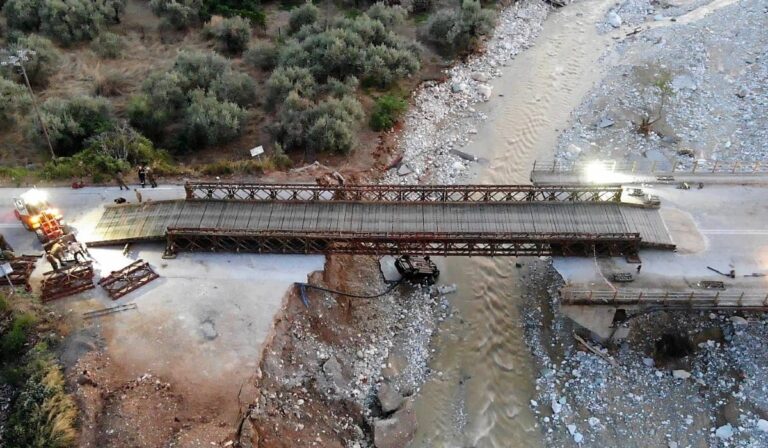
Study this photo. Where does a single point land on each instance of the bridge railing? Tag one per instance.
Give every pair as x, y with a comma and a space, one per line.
399, 193
389, 243
692, 299
653, 167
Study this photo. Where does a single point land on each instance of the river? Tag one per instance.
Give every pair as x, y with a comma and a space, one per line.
481, 396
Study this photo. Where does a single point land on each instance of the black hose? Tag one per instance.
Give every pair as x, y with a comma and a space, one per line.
302, 286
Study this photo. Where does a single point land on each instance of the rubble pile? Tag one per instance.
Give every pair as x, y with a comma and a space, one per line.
718, 106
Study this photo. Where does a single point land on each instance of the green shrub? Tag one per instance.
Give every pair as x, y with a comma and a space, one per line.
180, 14
126, 144
305, 14
71, 21
41, 65
236, 87
386, 112
262, 55
200, 68
232, 34
70, 122
43, 415
23, 15
460, 32
421, 6
14, 100
108, 45
285, 80
13, 340
208, 121
247, 9
388, 15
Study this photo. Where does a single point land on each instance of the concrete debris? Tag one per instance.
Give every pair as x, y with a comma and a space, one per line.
681, 374
648, 362
762, 425
739, 321
724, 432
404, 170
605, 122
613, 19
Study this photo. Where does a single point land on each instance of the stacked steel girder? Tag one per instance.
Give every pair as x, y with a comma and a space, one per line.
387, 243
401, 193
127, 279
67, 281
22, 268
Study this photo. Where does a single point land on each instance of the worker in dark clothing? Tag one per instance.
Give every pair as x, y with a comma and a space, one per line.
639, 266
151, 177
138, 195
142, 176
4, 244
120, 201
120, 181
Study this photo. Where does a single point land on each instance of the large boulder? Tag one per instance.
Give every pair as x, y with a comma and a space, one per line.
398, 430
389, 397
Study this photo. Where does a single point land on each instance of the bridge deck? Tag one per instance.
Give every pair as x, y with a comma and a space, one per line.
149, 221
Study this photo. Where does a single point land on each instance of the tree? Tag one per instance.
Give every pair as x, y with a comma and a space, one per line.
235, 87
23, 15
14, 100
200, 67
108, 45
232, 34
387, 15
262, 55
285, 80
208, 121
305, 14
43, 60
71, 21
461, 32
125, 143
180, 14
663, 85
72, 121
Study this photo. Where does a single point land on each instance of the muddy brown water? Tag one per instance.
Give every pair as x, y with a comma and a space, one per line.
481, 396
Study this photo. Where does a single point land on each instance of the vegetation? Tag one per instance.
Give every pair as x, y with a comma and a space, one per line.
67, 21
42, 414
232, 34
44, 60
108, 45
305, 14
247, 9
72, 121
386, 112
262, 56
179, 14
14, 101
110, 84
459, 32
663, 86
200, 90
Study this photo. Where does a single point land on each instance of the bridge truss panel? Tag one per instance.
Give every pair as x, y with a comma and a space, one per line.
384, 243
666, 299
400, 193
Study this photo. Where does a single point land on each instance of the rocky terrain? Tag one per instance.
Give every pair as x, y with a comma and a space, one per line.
716, 72
442, 117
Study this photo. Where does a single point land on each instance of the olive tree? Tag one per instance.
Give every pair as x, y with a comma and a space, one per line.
236, 87
305, 14
43, 60
23, 15
200, 67
387, 15
232, 34
72, 121
208, 121
14, 100
262, 55
285, 80
180, 14
459, 32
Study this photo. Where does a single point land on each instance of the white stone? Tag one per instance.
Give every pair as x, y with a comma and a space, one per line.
762, 425
613, 19
571, 428
648, 362
556, 407
681, 374
485, 92
593, 421
578, 438
724, 432
739, 321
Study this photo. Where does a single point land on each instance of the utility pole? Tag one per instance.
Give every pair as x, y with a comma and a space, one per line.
17, 58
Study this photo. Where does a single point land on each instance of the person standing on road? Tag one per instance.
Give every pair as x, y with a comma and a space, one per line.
639, 266
52, 261
151, 177
142, 176
121, 181
138, 195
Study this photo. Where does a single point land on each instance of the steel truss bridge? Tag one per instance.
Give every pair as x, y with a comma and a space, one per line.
389, 219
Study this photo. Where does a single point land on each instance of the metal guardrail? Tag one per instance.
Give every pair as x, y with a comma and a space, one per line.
400, 193
653, 167
387, 243
690, 299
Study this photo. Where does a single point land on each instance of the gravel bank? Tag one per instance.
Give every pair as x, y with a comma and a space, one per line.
718, 109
